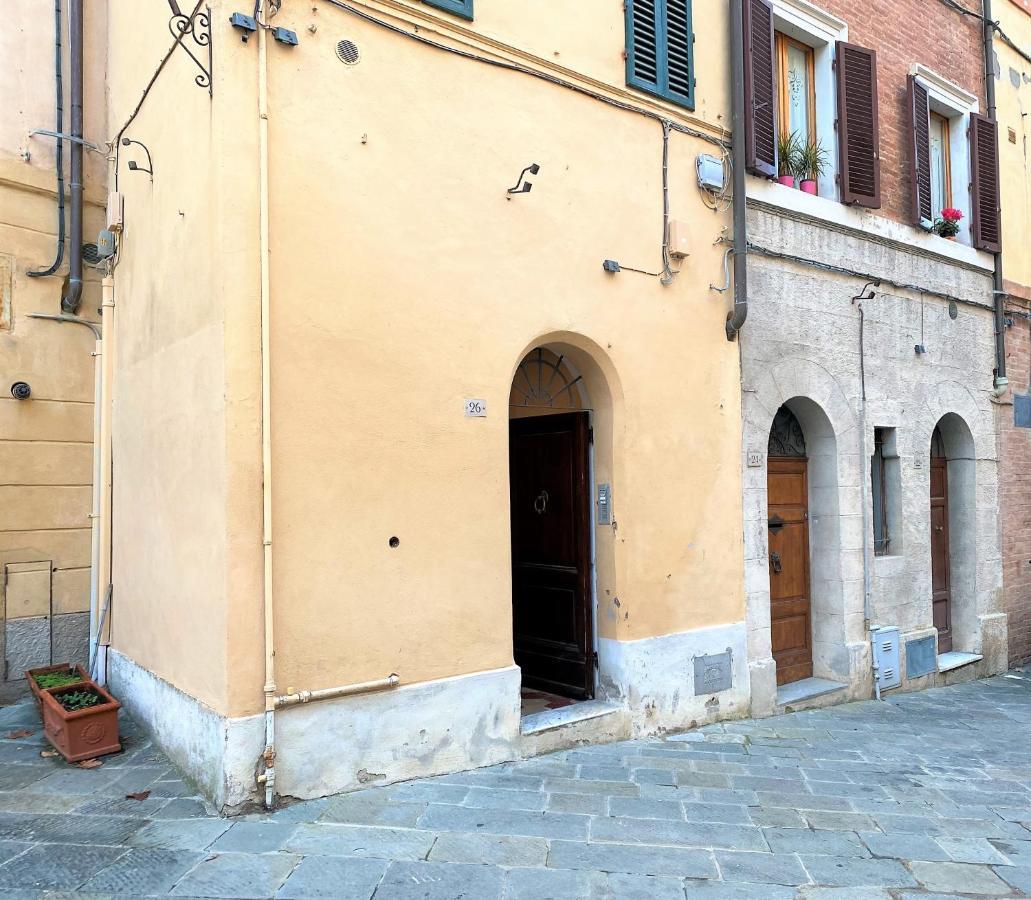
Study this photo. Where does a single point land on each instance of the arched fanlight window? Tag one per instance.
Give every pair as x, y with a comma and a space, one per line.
545, 379
786, 437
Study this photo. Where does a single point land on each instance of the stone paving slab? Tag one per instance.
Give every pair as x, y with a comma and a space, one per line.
924, 795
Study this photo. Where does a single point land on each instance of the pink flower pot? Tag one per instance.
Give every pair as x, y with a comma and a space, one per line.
809, 186
786, 180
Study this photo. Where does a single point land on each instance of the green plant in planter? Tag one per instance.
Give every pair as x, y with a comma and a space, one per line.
788, 148
57, 679
75, 700
812, 161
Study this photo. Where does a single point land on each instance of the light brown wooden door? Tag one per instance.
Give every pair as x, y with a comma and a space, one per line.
790, 606
940, 596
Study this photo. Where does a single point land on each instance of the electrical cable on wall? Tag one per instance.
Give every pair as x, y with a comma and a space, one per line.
524, 70
996, 27
668, 273
843, 270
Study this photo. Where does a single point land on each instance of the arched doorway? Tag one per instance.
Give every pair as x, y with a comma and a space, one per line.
550, 493
953, 497
941, 598
791, 630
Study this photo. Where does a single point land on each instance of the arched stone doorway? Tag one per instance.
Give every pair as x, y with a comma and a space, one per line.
550, 488
953, 534
787, 481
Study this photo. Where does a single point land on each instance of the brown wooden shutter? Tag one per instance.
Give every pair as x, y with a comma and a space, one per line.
858, 137
920, 152
760, 89
984, 189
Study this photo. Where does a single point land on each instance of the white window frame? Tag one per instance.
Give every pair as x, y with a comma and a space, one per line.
820, 30
955, 104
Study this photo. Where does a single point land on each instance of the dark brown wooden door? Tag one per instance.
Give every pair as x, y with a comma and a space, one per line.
551, 552
940, 598
790, 606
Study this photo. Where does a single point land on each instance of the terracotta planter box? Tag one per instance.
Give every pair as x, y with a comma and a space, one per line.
37, 691
84, 733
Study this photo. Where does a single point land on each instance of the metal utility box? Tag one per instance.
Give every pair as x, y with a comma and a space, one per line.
886, 656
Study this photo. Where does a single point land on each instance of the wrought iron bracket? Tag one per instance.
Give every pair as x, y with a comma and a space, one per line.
198, 29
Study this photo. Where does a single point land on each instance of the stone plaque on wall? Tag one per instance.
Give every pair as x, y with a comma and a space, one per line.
712, 673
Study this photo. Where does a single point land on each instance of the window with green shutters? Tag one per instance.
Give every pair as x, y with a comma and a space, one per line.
660, 49
463, 8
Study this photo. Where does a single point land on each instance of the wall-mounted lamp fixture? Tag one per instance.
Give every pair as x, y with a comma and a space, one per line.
522, 186
135, 166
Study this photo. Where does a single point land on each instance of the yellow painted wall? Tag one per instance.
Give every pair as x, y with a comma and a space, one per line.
187, 537
1013, 111
45, 442
403, 281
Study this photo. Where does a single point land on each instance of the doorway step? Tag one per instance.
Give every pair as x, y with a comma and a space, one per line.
807, 689
587, 721
955, 659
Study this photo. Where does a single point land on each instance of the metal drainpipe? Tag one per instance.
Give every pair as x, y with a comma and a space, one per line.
58, 151
998, 292
736, 317
71, 301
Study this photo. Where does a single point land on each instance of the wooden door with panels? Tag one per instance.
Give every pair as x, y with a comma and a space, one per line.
941, 595
551, 552
788, 521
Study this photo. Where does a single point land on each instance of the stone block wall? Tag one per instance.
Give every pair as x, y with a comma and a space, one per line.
801, 346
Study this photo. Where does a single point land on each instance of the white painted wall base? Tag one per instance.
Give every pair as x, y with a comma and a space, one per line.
423, 729
654, 677
324, 748
218, 753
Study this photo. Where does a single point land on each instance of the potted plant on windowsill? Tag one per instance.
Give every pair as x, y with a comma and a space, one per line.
947, 224
787, 158
81, 720
812, 163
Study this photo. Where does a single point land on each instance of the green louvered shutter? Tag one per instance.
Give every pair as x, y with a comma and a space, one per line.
660, 51
463, 8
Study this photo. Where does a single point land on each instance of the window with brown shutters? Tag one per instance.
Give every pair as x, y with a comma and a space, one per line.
660, 49
858, 137
984, 194
760, 89
920, 153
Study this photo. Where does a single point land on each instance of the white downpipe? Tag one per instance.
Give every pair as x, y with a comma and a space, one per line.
103, 577
268, 777
94, 571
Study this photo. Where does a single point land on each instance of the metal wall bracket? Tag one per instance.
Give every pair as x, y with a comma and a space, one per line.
198, 29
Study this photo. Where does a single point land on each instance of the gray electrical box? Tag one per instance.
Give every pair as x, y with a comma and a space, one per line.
886, 656
1022, 410
922, 656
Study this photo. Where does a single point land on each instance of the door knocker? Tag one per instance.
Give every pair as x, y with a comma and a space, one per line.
540, 505
775, 562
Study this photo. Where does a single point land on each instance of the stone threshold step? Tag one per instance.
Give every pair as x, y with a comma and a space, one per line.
955, 659
546, 719
807, 689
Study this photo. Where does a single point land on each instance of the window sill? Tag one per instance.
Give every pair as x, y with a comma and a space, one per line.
866, 221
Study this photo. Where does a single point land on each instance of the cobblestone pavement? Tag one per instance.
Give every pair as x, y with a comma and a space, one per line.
923, 795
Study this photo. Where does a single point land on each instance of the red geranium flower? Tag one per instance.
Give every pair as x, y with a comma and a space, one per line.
950, 214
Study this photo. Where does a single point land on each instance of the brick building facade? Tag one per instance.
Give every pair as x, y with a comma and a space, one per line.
870, 463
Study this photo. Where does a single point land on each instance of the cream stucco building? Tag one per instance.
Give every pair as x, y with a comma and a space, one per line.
356, 365
46, 367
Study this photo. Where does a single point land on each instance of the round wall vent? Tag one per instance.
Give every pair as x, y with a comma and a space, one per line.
348, 53
90, 254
